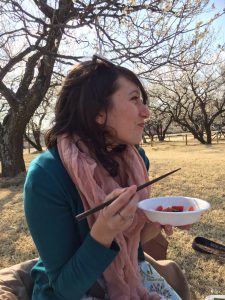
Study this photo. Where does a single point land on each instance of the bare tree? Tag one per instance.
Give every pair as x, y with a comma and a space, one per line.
33, 134
38, 36
44, 114
153, 36
194, 94
158, 124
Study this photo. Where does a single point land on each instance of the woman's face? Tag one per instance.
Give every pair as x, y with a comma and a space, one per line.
126, 115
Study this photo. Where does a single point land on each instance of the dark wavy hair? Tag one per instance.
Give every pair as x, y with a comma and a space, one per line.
86, 92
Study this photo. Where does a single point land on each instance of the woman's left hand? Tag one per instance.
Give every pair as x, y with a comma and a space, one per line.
169, 228
151, 230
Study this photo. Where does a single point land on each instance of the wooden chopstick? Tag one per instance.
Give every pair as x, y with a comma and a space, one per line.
104, 204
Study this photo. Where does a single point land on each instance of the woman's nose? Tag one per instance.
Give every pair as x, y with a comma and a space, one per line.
145, 111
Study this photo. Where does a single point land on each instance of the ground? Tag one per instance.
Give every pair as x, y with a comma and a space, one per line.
202, 175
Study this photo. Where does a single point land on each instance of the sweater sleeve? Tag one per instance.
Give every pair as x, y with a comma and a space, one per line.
72, 267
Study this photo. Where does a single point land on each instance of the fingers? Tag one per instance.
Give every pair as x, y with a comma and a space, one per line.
126, 202
116, 217
130, 208
126, 218
167, 228
115, 193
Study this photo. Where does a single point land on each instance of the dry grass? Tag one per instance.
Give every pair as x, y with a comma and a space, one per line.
202, 175
16, 243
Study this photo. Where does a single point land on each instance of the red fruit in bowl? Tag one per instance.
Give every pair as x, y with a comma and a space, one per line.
168, 209
191, 208
177, 208
159, 208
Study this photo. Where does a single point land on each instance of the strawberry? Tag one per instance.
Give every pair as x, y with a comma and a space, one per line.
159, 208
191, 208
177, 208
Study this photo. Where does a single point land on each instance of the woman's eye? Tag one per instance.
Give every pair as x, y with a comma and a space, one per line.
135, 99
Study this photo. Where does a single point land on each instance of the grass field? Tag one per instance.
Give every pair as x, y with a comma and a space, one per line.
202, 176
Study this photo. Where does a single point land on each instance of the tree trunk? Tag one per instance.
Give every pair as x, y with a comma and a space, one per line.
160, 134
208, 135
161, 138
37, 138
200, 138
11, 147
199, 135
144, 139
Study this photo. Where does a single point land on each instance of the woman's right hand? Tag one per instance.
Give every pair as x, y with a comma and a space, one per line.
117, 216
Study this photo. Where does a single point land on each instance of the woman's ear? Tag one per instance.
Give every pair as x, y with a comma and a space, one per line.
101, 117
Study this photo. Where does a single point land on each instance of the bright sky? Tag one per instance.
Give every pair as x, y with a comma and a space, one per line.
219, 24
220, 4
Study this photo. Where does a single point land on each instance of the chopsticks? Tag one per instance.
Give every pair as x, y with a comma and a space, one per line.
104, 204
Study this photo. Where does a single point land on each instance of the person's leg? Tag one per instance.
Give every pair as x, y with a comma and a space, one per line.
173, 275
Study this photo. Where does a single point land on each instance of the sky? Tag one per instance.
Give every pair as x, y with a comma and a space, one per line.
219, 24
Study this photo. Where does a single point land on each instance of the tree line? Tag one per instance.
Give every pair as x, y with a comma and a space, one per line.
190, 94
165, 42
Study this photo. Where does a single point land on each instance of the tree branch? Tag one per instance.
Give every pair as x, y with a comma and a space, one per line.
28, 74
45, 8
14, 60
9, 95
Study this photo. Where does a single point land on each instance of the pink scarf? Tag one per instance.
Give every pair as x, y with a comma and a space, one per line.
94, 183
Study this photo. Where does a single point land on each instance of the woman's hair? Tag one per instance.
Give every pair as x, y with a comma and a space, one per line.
86, 92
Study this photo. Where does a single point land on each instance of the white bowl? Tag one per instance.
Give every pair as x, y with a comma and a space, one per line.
173, 218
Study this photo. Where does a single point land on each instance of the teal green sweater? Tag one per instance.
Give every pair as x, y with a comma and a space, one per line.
70, 259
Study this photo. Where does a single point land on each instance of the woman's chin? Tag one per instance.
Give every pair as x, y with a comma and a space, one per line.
129, 141
135, 142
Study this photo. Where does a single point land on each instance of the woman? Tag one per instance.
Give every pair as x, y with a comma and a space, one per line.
92, 157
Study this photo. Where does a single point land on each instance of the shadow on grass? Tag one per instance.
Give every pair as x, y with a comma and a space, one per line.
7, 199
7, 182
